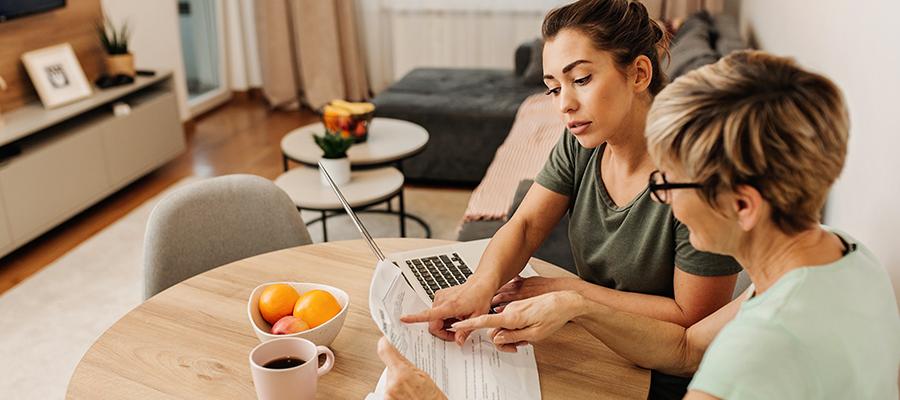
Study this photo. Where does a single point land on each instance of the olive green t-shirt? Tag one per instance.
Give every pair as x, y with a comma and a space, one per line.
633, 248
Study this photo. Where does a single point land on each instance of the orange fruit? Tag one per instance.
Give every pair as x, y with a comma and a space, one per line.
277, 301
316, 307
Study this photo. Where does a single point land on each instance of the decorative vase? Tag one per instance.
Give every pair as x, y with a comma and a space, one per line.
120, 64
338, 168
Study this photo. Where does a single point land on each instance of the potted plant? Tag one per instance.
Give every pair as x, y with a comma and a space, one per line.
334, 157
115, 41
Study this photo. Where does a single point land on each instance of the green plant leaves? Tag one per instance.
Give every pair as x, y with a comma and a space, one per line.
333, 146
115, 41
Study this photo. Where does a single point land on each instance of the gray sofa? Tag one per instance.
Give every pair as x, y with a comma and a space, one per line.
467, 112
701, 40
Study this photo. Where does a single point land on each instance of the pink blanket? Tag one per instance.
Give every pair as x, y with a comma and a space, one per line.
536, 130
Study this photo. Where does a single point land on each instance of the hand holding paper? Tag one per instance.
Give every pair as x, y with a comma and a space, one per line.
404, 380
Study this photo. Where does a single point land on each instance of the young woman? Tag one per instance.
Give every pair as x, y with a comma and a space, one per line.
748, 149
602, 64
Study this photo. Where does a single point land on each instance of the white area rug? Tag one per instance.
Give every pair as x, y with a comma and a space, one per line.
49, 321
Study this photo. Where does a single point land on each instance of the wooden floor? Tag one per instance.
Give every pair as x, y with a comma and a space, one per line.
239, 137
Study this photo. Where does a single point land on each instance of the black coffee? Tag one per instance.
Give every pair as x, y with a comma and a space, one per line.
284, 363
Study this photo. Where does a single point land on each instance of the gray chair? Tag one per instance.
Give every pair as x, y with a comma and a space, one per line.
214, 222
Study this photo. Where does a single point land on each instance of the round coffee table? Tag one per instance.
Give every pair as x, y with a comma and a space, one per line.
365, 189
390, 141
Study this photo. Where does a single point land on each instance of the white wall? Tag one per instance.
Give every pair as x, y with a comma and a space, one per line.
855, 44
399, 35
155, 40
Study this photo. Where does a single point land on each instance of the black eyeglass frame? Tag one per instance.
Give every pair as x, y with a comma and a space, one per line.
658, 190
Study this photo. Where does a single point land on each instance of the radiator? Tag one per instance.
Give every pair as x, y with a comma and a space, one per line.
454, 34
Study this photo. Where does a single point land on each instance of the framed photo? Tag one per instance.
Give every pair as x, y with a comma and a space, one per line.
56, 74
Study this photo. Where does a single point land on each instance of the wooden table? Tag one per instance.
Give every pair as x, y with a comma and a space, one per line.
193, 339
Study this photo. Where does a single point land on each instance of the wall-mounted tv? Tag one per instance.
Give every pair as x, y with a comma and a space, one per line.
10, 9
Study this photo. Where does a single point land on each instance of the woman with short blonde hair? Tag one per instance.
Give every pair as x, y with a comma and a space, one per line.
747, 149
756, 120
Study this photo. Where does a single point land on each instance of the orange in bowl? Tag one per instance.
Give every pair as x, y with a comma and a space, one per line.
277, 301
316, 307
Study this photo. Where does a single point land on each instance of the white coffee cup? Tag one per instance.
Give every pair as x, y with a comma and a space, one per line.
295, 383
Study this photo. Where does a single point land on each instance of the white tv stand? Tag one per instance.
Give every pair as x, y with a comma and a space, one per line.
56, 163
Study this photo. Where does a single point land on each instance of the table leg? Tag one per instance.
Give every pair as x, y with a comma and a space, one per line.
284, 162
324, 228
402, 215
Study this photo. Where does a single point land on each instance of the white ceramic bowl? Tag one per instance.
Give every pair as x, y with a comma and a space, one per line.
321, 335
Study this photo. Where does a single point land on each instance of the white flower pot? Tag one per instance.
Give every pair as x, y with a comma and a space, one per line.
338, 168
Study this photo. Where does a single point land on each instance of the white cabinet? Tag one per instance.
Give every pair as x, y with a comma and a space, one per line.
135, 143
65, 160
5, 237
47, 184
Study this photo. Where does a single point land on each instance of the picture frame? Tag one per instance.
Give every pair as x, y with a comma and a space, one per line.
56, 75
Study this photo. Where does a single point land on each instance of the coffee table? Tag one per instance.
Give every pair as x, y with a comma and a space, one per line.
365, 189
192, 340
390, 141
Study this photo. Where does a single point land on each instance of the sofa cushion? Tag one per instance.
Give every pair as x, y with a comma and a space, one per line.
476, 230
467, 112
522, 58
728, 37
692, 46
534, 72
467, 93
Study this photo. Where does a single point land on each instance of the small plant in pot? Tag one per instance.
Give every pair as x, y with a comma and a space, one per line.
334, 157
115, 41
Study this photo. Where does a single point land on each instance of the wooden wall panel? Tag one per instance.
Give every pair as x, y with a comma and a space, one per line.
73, 24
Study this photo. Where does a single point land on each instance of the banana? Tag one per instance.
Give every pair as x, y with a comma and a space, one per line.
330, 110
353, 108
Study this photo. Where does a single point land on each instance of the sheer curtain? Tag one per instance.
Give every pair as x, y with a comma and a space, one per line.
310, 52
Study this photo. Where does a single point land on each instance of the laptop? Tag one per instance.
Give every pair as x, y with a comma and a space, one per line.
430, 269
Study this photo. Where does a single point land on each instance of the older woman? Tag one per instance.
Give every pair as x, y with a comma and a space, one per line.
747, 149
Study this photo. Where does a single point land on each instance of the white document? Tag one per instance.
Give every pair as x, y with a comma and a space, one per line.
472, 372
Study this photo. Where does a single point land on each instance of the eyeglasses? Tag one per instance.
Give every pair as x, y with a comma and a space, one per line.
659, 186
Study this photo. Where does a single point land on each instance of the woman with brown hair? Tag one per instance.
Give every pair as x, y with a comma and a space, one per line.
602, 67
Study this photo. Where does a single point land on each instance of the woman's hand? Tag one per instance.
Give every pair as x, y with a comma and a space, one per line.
468, 300
404, 380
528, 320
522, 288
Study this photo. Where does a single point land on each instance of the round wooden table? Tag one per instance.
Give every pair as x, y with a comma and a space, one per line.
193, 339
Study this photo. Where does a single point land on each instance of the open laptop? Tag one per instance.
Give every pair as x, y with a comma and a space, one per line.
426, 270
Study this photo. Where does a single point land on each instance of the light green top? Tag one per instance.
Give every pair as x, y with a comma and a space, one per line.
825, 332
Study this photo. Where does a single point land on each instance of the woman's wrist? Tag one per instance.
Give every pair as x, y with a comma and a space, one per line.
482, 283
573, 284
571, 303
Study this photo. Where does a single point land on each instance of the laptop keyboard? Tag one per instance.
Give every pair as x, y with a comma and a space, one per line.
439, 272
